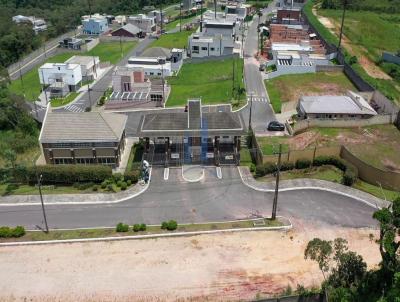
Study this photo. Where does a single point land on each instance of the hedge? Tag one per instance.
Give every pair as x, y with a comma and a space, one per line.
133, 176
65, 174
7, 232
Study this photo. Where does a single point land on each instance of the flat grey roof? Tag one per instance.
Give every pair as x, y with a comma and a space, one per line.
61, 127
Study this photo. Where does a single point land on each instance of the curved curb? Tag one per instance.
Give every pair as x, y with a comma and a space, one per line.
309, 188
193, 180
152, 236
145, 187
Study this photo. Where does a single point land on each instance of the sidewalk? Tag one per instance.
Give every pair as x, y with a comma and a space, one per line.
59, 199
306, 183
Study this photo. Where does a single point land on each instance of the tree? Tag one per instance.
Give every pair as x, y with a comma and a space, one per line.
320, 251
389, 221
10, 156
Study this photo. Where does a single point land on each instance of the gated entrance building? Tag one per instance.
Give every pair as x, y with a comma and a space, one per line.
197, 135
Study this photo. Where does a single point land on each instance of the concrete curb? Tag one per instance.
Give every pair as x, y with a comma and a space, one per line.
145, 187
309, 188
150, 236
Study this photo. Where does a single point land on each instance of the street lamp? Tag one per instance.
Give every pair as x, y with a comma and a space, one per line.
341, 27
41, 200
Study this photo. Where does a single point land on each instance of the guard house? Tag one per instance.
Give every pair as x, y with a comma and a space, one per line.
196, 135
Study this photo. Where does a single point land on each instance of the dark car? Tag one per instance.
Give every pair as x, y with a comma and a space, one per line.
275, 126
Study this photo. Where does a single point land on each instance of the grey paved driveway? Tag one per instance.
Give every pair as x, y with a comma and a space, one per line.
211, 199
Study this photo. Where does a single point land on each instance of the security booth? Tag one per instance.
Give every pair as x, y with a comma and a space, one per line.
197, 135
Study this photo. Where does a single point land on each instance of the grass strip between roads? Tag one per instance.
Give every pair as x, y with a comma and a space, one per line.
150, 230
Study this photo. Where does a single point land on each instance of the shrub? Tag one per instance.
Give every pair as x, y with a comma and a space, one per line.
143, 227
303, 163
260, 170
18, 231
170, 225
286, 166
10, 188
136, 227
121, 227
128, 182
95, 188
123, 186
330, 160
252, 168
117, 177
350, 175
110, 188
85, 186
133, 176
5, 232
119, 183
164, 225
103, 185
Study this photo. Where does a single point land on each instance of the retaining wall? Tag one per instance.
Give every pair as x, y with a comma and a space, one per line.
115, 38
309, 153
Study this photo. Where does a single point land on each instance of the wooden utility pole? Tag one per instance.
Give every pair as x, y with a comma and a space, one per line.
251, 108
278, 170
180, 16
161, 17
41, 200
341, 27
215, 9
201, 16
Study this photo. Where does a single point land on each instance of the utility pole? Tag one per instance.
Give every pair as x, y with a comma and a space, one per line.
22, 81
90, 98
94, 66
341, 27
215, 9
161, 17
278, 170
41, 200
90, 9
43, 89
251, 109
180, 16
163, 83
201, 16
120, 46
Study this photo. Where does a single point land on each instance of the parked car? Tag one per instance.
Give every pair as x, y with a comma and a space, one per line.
275, 126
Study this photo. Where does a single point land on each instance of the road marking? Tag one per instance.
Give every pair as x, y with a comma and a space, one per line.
219, 172
166, 173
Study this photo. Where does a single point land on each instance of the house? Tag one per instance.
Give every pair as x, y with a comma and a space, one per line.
131, 88
143, 22
71, 43
197, 135
89, 66
202, 45
157, 52
152, 66
38, 24
120, 20
289, 15
240, 10
349, 106
95, 24
128, 30
219, 27
158, 15
60, 78
84, 138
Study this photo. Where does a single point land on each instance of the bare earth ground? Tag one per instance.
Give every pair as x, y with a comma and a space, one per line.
369, 66
221, 267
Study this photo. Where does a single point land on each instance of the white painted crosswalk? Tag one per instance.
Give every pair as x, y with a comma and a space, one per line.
257, 99
38, 109
74, 108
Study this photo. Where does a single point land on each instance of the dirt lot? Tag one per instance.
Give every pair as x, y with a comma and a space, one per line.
201, 268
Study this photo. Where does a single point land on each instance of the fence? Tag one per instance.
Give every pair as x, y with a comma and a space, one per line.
391, 58
117, 39
310, 153
213, 58
291, 69
370, 174
343, 123
329, 68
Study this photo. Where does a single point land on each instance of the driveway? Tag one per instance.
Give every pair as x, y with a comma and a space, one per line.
212, 199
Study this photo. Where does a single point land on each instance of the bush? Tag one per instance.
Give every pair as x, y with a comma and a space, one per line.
117, 177
10, 188
330, 160
7, 232
303, 163
110, 188
169, 225
350, 175
119, 183
66, 174
133, 176
95, 188
252, 168
123, 186
287, 166
128, 182
103, 185
139, 227
18, 231
121, 227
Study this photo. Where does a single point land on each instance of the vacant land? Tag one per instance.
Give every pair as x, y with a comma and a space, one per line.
289, 88
30, 85
376, 145
223, 267
211, 81
174, 40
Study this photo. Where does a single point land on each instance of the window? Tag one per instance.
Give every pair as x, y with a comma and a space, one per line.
204, 48
59, 68
127, 86
159, 73
212, 48
195, 49
106, 160
63, 161
151, 73
84, 161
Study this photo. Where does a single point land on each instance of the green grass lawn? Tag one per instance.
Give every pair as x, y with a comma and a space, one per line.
175, 24
211, 81
175, 40
109, 51
270, 145
289, 88
57, 102
151, 229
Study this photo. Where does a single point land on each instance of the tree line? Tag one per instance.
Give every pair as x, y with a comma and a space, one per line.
383, 6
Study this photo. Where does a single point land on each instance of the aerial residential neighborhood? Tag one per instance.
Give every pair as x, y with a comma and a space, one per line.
224, 150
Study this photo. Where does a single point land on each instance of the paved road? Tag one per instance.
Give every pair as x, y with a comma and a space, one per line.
210, 200
262, 112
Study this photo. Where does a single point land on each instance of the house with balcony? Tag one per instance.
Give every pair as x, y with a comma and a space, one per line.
89, 66
95, 24
152, 66
145, 23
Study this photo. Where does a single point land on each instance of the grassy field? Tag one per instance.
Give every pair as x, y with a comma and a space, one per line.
376, 145
210, 80
289, 88
175, 24
153, 229
331, 173
106, 51
175, 40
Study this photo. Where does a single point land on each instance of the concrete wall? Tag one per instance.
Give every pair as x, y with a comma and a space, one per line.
310, 153
343, 123
329, 68
114, 39
386, 106
89, 46
370, 174
290, 69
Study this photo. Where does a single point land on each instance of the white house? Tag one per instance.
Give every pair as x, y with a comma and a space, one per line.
61, 78
145, 23
89, 65
38, 24
94, 24
157, 67
201, 45
226, 28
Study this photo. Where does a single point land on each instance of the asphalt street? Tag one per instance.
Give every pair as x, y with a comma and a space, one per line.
212, 199
261, 111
